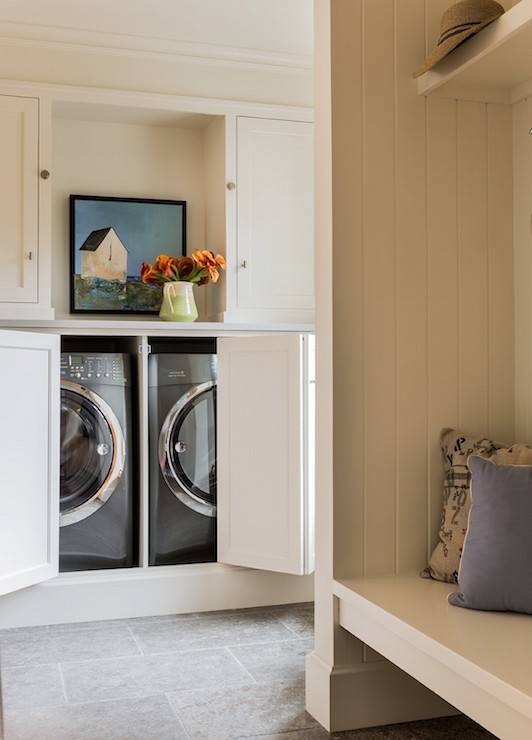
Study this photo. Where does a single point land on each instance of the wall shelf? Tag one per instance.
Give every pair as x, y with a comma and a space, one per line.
495, 65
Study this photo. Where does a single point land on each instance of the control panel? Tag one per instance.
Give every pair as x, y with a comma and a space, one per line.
105, 368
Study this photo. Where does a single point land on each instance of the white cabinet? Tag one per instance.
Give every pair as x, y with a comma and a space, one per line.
265, 461
19, 153
25, 279
274, 233
29, 459
265, 454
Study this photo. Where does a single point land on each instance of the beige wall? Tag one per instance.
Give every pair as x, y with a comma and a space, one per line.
422, 291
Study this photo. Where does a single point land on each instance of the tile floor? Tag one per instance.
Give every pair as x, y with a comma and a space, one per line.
209, 676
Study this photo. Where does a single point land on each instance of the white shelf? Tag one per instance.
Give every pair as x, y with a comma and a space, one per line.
495, 65
477, 661
151, 327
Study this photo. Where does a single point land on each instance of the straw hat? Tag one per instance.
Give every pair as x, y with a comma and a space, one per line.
458, 23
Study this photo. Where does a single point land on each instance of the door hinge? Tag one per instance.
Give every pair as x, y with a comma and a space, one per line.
144, 349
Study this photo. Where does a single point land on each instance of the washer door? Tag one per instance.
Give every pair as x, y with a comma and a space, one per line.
92, 453
187, 449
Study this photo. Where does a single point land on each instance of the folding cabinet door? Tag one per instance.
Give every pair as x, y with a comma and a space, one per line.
29, 458
265, 492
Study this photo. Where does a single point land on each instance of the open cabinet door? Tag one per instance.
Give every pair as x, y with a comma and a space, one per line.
265, 452
29, 458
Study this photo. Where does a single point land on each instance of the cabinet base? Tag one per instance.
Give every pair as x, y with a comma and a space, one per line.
143, 592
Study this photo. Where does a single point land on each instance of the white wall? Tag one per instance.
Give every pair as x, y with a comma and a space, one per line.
117, 159
415, 254
423, 304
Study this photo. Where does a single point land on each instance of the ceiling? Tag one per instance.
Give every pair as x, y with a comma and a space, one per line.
260, 31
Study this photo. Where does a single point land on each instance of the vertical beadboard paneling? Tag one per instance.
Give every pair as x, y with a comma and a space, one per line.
473, 268
522, 122
411, 294
348, 286
423, 303
501, 343
379, 277
442, 289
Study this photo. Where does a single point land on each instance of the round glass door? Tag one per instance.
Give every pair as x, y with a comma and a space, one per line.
88, 462
188, 449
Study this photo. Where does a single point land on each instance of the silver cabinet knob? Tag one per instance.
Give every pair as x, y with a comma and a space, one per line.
45, 174
231, 186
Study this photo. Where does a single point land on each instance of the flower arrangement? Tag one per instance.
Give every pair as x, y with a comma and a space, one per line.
203, 267
177, 276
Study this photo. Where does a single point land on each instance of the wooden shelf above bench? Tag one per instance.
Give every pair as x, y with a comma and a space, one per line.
495, 65
479, 662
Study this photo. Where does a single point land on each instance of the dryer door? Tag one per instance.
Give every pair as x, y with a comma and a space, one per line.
92, 452
187, 449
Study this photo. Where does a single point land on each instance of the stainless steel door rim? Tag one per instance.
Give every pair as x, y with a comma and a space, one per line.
175, 482
116, 469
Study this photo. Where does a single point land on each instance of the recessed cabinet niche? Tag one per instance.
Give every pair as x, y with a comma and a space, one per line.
246, 177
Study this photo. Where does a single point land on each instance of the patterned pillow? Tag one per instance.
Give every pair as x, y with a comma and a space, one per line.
456, 448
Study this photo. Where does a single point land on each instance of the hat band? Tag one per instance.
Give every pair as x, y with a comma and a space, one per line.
455, 30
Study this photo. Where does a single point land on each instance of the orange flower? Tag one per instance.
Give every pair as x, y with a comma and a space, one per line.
184, 267
148, 274
210, 264
165, 265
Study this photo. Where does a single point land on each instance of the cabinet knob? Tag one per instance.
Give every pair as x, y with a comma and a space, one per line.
231, 186
45, 174
244, 264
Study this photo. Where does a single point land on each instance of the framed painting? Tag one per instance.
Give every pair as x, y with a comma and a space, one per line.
110, 238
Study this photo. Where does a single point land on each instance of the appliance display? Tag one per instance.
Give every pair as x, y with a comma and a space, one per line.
96, 485
182, 421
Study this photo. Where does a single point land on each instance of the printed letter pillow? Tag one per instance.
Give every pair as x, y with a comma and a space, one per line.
456, 448
496, 568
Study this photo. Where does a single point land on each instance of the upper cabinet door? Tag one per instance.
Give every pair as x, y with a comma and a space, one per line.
19, 185
29, 459
265, 478
275, 214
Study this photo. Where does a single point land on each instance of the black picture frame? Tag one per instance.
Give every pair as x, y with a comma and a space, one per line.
74, 200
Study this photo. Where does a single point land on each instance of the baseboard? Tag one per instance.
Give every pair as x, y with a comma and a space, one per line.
367, 695
141, 592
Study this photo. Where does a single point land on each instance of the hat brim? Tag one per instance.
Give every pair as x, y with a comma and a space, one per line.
441, 51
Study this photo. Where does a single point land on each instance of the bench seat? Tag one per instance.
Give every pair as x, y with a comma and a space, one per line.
480, 662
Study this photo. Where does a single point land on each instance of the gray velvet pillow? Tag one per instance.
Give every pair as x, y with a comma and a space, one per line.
496, 567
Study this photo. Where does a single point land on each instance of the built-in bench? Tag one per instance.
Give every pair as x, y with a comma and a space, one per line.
480, 662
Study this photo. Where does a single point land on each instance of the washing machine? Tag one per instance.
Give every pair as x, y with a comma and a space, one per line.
97, 507
182, 422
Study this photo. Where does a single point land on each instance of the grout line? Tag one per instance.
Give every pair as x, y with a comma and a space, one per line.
290, 629
135, 640
241, 665
178, 718
63, 685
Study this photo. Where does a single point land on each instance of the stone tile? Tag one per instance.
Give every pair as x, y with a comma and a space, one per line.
222, 714
31, 686
148, 718
34, 646
300, 621
448, 728
280, 661
120, 678
209, 632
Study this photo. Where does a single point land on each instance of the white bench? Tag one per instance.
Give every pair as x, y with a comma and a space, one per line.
480, 662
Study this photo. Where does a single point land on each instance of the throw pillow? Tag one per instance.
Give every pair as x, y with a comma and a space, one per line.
496, 567
456, 448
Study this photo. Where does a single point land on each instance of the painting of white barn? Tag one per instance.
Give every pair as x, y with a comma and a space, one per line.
104, 256
110, 238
